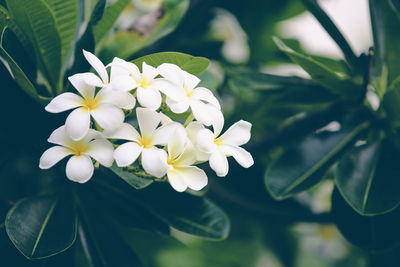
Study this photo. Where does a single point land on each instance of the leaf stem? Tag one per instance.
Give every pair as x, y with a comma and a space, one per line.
189, 119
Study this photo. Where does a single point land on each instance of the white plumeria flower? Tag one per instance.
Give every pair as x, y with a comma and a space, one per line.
178, 162
228, 144
79, 167
201, 100
144, 143
148, 86
105, 107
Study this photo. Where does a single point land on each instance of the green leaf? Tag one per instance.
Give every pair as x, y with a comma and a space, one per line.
396, 5
376, 233
133, 180
42, 226
280, 89
368, 178
102, 244
191, 64
37, 21
66, 15
194, 215
391, 101
337, 84
302, 166
110, 16
124, 44
86, 41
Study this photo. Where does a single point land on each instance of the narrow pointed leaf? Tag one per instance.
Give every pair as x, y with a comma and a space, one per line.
337, 84
103, 246
368, 178
37, 21
194, 215
193, 65
42, 226
302, 166
110, 16
66, 16
374, 233
124, 44
132, 179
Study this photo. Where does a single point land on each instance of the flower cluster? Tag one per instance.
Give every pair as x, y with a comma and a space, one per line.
164, 147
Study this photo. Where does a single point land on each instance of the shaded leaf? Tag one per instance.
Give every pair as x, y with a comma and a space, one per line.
133, 180
191, 64
368, 178
102, 244
110, 16
302, 166
36, 20
42, 226
374, 233
391, 101
337, 84
194, 215
126, 43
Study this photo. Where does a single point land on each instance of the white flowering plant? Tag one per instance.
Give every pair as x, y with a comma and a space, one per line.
138, 138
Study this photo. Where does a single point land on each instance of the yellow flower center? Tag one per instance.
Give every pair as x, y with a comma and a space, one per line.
218, 141
145, 142
188, 91
143, 82
90, 103
79, 147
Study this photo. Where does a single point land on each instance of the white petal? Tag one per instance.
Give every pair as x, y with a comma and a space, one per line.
219, 163
171, 72
205, 141
123, 83
124, 132
205, 94
53, 155
77, 123
164, 133
149, 71
108, 116
188, 157
85, 83
178, 107
218, 123
238, 134
118, 68
204, 113
148, 121
93, 134
97, 65
152, 162
176, 181
176, 143
102, 151
79, 169
194, 177
193, 129
242, 157
60, 137
127, 153
190, 80
176, 93
64, 102
120, 99
149, 98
